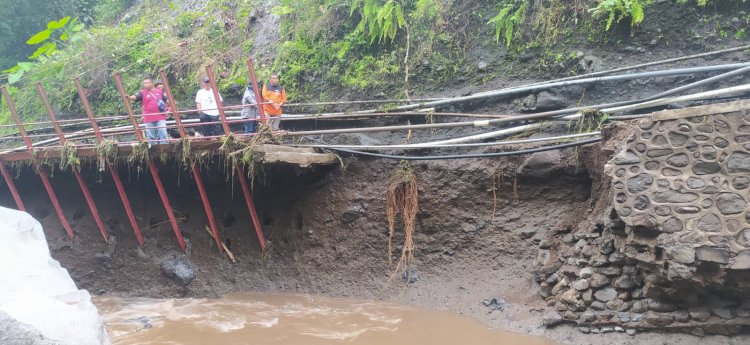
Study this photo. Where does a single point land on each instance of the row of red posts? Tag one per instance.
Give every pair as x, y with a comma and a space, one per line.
44, 175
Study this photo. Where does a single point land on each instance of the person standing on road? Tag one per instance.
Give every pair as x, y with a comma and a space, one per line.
206, 104
274, 96
153, 104
250, 111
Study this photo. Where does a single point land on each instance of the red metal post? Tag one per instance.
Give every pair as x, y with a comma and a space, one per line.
251, 206
9, 180
42, 173
207, 206
128, 108
219, 103
258, 92
76, 173
112, 169
196, 172
172, 105
165, 201
55, 203
151, 167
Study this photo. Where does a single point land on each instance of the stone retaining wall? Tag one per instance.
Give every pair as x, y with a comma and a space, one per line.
683, 181
672, 251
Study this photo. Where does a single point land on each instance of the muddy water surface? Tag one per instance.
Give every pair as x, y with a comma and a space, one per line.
289, 319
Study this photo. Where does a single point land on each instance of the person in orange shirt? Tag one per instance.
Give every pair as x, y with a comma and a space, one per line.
274, 96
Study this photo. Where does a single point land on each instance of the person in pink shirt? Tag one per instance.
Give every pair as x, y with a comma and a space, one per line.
153, 103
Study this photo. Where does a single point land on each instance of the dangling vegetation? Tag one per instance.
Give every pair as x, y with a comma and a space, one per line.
69, 157
139, 155
106, 153
402, 198
589, 121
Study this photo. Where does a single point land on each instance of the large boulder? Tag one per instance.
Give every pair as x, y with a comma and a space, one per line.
36, 293
179, 269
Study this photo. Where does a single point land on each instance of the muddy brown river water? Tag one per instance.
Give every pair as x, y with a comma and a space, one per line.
290, 319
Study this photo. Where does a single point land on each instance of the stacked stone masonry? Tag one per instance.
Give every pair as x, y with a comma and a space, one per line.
672, 250
685, 182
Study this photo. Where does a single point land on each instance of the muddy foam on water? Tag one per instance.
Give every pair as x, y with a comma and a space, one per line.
289, 319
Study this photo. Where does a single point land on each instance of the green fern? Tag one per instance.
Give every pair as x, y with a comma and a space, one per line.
380, 20
510, 16
617, 10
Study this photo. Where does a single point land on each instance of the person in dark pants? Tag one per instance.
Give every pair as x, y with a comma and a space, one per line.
249, 112
206, 104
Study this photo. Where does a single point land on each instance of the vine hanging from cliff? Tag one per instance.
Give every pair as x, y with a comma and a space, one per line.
402, 197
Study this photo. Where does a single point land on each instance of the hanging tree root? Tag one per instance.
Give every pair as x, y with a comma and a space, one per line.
402, 197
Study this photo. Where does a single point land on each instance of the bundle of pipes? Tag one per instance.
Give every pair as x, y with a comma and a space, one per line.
427, 106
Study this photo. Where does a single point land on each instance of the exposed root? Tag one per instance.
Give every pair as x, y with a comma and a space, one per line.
402, 197
494, 192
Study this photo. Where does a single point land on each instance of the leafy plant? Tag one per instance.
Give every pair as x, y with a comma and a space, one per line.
511, 15
617, 10
57, 31
380, 20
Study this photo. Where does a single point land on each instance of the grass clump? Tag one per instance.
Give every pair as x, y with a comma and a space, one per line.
69, 157
106, 153
589, 121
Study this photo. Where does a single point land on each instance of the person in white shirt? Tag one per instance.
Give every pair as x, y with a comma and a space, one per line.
206, 104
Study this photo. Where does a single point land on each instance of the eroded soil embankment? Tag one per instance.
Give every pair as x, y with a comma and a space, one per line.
329, 233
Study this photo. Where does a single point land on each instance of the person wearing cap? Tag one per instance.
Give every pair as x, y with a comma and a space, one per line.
159, 85
153, 101
274, 97
250, 111
206, 104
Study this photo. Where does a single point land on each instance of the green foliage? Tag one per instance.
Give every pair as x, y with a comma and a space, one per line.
379, 20
617, 10
61, 31
511, 15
